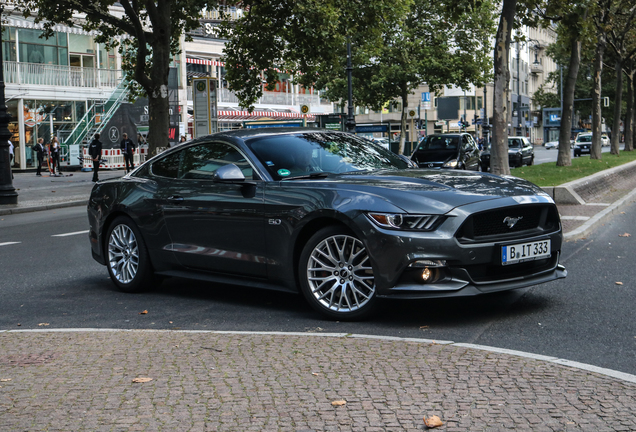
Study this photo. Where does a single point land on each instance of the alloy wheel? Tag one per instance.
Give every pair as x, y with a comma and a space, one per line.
340, 275
123, 254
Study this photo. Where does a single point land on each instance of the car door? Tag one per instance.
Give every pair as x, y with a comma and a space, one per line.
215, 226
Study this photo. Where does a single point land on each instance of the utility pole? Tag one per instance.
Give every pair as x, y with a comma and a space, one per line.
350, 124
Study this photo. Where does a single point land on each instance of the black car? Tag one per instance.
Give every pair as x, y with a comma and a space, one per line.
583, 145
447, 151
326, 213
520, 153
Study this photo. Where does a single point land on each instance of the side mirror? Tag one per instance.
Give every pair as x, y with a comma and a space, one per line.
229, 173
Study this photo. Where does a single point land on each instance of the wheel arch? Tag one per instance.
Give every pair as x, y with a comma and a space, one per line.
313, 226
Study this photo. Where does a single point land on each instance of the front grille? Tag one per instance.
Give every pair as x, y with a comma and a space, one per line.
494, 225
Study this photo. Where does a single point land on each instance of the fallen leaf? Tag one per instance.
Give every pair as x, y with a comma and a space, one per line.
625, 235
43, 324
433, 422
423, 327
339, 403
619, 283
5, 379
315, 373
622, 212
141, 380
143, 312
170, 322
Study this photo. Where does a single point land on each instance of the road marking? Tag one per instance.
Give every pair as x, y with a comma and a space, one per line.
9, 243
70, 234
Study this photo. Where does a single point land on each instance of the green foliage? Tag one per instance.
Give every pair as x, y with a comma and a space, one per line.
396, 46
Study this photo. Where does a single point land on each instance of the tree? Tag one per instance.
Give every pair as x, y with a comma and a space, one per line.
394, 52
147, 32
621, 39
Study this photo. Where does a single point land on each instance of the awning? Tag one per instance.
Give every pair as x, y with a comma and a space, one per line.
262, 115
204, 62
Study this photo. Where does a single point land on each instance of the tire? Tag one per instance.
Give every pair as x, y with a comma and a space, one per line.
127, 257
531, 162
336, 275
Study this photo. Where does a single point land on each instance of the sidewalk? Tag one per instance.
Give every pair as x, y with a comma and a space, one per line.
47, 192
82, 380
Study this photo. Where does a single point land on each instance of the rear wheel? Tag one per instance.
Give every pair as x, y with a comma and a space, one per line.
127, 258
336, 275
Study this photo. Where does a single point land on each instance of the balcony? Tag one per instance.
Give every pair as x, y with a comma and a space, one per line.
268, 98
536, 68
59, 76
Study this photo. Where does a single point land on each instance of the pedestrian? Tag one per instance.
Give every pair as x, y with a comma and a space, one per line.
95, 151
183, 139
39, 150
54, 152
11, 157
128, 149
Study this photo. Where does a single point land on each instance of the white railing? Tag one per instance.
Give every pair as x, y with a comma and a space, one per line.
268, 98
59, 76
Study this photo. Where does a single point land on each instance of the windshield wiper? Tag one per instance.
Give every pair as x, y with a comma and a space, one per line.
319, 174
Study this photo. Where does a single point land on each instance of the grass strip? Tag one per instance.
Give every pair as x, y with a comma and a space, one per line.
549, 174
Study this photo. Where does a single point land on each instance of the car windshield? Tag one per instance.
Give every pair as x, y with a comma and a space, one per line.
585, 138
301, 154
437, 142
514, 143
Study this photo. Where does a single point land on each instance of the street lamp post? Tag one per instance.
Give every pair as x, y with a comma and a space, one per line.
8, 194
518, 89
350, 124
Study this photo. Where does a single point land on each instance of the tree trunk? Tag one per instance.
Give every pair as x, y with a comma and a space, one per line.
499, 148
565, 158
616, 126
629, 114
157, 84
595, 152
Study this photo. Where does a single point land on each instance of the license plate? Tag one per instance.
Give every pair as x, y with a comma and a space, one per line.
520, 252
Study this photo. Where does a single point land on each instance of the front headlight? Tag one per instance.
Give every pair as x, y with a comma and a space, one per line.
406, 222
450, 164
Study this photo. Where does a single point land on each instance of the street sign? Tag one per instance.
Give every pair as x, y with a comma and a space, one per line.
426, 100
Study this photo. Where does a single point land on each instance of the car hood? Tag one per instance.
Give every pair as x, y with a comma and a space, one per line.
434, 191
434, 155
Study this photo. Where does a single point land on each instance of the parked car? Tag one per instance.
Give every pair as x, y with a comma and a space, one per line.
457, 151
384, 142
552, 145
520, 152
587, 137
325, 213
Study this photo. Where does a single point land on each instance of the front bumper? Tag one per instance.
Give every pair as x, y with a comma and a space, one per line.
471, 268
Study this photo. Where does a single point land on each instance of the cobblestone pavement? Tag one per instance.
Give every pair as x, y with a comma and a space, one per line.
83, 381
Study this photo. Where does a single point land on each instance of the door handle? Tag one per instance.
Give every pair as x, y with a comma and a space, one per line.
175, 198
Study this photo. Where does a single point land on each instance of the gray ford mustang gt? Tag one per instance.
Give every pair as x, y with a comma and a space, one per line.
326, 213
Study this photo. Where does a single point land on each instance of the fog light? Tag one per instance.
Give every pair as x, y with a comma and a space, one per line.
427, 274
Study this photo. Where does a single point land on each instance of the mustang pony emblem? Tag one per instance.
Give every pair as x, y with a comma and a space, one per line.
511, 221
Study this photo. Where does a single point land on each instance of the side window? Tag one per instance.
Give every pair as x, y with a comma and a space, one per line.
167, 166
200, 162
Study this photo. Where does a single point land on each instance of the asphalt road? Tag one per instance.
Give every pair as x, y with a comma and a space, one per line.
51, 281
543, 155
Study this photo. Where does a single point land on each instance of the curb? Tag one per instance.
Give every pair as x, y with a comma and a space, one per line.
549, 359
28, 209
585, 229
566, 193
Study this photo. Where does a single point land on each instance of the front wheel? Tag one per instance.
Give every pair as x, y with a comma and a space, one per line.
531, 162
128, 263
336, 275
